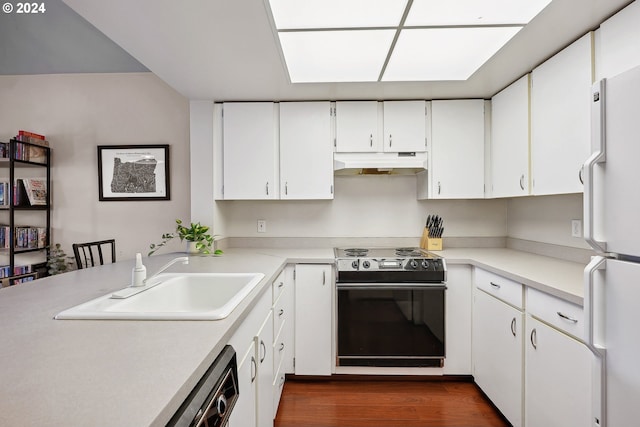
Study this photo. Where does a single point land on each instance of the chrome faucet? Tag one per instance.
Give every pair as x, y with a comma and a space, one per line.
182, 259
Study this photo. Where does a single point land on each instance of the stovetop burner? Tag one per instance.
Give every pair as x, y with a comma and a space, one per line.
356, 252
409, 252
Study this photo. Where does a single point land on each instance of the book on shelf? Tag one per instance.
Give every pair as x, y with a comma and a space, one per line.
36, 190
5, 195
25, 237
20, 197
32, 138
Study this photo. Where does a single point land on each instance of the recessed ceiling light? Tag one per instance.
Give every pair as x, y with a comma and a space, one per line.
473, 12
360, 40
335, 56
298, 14
444, 53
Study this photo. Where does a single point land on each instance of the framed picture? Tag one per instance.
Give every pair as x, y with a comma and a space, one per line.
133, 172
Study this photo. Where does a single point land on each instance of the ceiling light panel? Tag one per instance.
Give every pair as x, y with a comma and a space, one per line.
299, 14
335, 56
473, 12
444, 53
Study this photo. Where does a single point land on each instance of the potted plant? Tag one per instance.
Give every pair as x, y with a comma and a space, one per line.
58, 262
197, 236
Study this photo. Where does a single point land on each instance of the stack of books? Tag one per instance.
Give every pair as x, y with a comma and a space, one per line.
33, 151
26, 237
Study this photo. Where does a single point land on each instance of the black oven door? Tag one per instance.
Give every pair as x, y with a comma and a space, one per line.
391, 324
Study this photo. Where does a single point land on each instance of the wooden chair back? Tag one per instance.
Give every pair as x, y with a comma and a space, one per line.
91, 254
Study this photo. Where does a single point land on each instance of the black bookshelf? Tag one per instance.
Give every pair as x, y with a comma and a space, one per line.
22, 158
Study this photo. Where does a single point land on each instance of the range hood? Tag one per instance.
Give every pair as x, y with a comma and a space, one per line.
379, 163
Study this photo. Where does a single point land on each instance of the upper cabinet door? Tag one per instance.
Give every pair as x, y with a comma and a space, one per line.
619, 40
357, 127
306, 152
561, 119
250, 147
510, 140
404, 126
457, 149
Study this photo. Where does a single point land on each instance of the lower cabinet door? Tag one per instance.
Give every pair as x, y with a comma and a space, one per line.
244, 412
313, 296
264, 343
558, 378
498, 358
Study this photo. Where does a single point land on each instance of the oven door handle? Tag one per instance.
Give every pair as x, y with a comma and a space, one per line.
391, 286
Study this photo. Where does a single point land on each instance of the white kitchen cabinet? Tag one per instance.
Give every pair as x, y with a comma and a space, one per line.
250, 151
457, 149
253, 338
619, 40
306, 152
264, 343
510, 140
244, 412
313, 319
357, 127
498, 354
404, 126
558, 378
283, 315
561, 119
458, 320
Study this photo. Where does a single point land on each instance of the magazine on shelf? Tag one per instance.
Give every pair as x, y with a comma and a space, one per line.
36, 189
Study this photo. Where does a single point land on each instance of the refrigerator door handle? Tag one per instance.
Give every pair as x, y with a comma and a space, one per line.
599, 395
598, 156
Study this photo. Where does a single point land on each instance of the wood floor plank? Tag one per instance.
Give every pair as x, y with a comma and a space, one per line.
396, 403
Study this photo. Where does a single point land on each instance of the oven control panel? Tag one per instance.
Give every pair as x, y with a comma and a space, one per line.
386, 264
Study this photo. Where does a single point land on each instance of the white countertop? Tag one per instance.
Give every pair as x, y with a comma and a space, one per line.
137, 373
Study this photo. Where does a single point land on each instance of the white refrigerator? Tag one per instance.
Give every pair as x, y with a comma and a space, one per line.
612, 228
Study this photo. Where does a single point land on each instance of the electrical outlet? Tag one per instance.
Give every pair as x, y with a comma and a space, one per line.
576, 228
262, 226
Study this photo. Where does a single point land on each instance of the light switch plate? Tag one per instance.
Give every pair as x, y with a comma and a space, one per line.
262, 226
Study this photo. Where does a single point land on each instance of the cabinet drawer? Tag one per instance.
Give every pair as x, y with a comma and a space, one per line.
563, 315
279, 346
505, 289
280, 312
278, 385
278, 286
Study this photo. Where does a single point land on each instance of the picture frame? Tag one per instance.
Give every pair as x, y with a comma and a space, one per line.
133, 172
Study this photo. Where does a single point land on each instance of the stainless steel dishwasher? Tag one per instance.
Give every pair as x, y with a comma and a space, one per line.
212, 400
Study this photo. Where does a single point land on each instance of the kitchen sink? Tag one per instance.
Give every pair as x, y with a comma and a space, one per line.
172, 296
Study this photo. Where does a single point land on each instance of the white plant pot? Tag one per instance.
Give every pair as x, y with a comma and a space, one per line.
191, 248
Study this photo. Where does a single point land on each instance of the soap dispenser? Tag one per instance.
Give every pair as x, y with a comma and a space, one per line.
139, 272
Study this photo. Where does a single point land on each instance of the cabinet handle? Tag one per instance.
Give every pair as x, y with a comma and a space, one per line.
262, 346
254, 369
439, 187
580, 176
324, 277
565, 317
281, 284
522, 182
371, 140
267, 188
281, 312
281, 346
390, 140
286, 188
495, 285
534, 338
513, 326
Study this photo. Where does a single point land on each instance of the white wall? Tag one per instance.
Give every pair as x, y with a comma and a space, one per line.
545, 219
77, 112
364, 206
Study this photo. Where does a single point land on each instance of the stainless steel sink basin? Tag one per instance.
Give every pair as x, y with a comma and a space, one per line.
173, 296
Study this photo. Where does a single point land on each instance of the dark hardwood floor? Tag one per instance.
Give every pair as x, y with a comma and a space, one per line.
385, 403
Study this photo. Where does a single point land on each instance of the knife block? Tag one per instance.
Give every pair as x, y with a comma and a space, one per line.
430, 244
